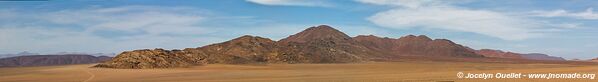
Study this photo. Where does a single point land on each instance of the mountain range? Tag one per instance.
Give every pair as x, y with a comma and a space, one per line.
48, 60
318, 44
24, 53
513, 55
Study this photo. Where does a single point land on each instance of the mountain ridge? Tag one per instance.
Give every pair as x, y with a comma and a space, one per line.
317, 44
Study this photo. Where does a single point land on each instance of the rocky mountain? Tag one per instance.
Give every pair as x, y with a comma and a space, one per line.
594, 60
47, 60
411, 45
156, 58
321, 32
241, 50
539, 56
324, 44
319, 44
498, 54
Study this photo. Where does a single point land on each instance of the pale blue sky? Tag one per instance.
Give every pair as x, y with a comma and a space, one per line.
565, 28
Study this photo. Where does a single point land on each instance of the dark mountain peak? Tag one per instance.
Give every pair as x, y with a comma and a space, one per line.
322, 32
444, 41
321, 28
247, 36
248, 39
367, 36
423, 37
413, 38
324, 27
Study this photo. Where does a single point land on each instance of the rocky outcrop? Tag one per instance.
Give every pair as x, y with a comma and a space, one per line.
156, 58
48, 60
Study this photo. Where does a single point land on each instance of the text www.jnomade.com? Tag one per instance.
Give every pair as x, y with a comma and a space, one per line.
531, 76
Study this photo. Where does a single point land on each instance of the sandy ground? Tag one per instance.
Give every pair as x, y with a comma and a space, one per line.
361, 72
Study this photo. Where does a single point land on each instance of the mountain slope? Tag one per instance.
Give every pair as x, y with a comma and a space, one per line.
324, 44
411, 45
322, 32
241, 50
498, 54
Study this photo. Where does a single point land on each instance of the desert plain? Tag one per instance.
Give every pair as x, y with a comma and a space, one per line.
414, 71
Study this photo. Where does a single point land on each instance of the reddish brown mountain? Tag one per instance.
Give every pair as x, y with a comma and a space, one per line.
594, 60
498, 54
48, 60
319, 44
242, 50
157, 58
411, 45
324, 44
322, 32
245, 49
332, 46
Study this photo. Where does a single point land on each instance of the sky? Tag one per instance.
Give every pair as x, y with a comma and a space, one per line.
564, 28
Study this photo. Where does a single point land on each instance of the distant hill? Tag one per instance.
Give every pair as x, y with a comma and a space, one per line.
24, 53
513, 55
498, 54
539, 56
48, 60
